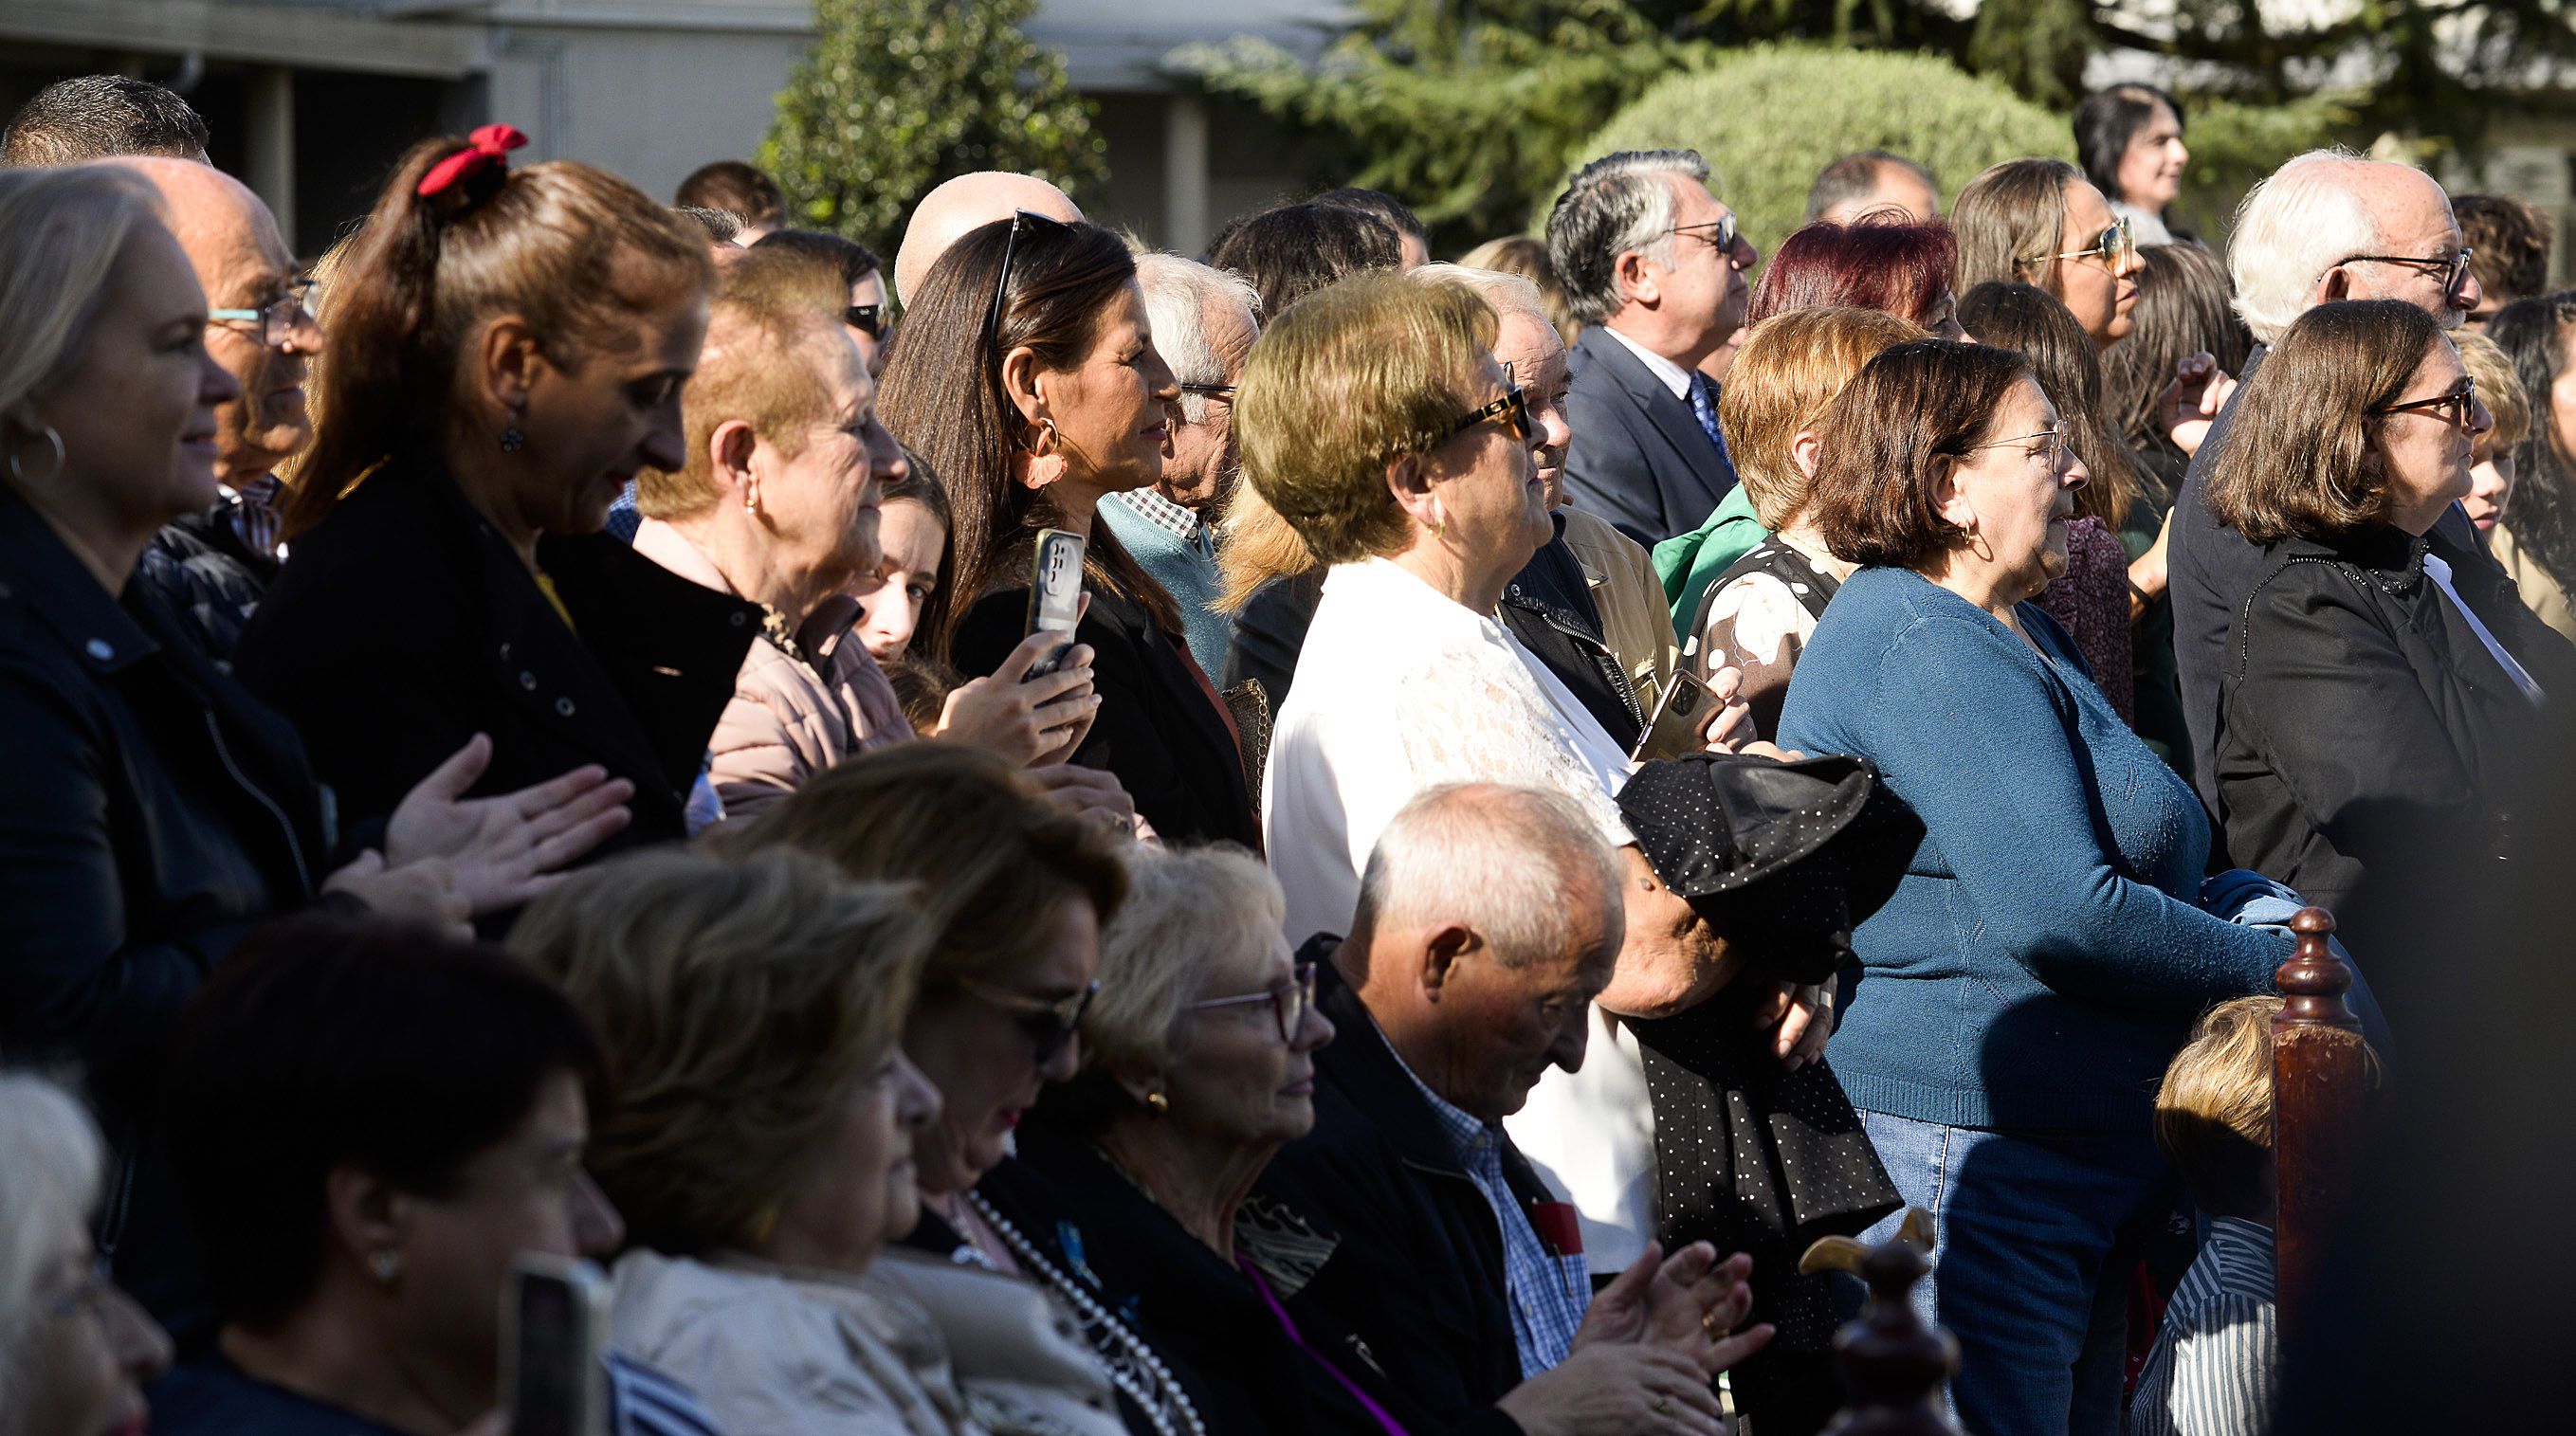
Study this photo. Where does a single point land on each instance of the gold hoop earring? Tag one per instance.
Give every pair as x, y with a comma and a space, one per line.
1158, 1102
54, 437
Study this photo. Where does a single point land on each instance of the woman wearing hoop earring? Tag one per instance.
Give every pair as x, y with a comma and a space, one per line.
1026, 373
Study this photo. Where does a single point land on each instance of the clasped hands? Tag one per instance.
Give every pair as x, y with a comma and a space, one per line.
1647, 1350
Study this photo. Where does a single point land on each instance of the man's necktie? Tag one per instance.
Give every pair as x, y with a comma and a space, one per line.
1703, 400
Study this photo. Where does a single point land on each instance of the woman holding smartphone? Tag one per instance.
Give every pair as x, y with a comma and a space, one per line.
1026, 374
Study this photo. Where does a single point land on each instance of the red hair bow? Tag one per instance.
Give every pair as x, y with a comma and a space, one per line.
490, 150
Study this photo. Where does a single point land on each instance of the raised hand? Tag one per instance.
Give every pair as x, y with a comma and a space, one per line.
423, 892
2198, 391
1030, 722
500, 852
1728, 725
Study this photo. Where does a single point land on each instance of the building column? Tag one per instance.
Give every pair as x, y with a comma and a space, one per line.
1185, 175
271, 165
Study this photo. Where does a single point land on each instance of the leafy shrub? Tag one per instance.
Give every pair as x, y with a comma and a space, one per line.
897, 95
1768, 118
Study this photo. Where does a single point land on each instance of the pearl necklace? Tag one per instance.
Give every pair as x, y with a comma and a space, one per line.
1132, 1365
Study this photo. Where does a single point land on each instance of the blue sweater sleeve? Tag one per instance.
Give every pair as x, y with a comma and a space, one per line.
1967, 730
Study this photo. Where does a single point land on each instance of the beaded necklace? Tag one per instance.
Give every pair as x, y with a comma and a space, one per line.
1132, 1365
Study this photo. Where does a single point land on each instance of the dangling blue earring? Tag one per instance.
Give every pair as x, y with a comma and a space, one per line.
512, 441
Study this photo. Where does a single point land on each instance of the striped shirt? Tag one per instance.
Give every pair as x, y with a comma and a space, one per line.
644, 1402
1548, 1292
2216, 1366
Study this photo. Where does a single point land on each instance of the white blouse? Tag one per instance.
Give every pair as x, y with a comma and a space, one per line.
1400, 688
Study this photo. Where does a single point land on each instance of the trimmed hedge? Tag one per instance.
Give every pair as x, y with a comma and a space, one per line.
1769, 117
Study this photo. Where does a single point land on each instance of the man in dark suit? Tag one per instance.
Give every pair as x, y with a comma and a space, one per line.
1654, 269
2324, 227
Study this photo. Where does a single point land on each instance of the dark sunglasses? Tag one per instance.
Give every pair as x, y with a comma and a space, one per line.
2453, 268
1021, 219
1049, 1024
2457, 408
868, 319
1723, 240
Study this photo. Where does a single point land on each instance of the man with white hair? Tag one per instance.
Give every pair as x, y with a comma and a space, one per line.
1653, 267
2327, 226
969, 202
1204, 321
1489, 918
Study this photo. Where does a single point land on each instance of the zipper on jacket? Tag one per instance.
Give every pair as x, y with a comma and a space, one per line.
294, 848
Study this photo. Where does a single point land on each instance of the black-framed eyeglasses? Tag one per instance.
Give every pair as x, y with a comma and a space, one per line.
1049, 1023
1719, 233
2113, 248
1020, 219
868, 319
1288, 1000
278, 319
2452, 267
2051, 442
1210, 391
2458, 408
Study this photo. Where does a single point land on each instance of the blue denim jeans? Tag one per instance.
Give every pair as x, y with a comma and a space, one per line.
2035, 1235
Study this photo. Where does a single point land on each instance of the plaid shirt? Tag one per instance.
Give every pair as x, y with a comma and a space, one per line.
1549, 1292
1153, 508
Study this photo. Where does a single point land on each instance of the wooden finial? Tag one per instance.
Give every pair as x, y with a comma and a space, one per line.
2319, 1087
1894, 1363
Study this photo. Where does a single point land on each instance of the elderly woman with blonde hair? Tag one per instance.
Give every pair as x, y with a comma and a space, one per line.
1758, 615
761, 1147
74, 1350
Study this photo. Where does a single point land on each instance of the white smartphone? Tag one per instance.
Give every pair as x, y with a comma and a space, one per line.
1055, 594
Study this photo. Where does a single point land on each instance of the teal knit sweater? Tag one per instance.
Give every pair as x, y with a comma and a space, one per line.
2043, 958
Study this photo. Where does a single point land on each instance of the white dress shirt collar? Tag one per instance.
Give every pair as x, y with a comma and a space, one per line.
1675, 377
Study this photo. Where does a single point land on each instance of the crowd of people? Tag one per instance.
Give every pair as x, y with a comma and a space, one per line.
1574, 774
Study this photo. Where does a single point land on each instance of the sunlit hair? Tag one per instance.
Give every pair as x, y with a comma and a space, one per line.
2032, 323
574, 251
736, 1002
2300, 221
1435, 864
1178, 295
61, 231
1527, 257
1875, 498
772, 341
2011, 218
2213, 1113
942, 394
1502, 293
2539, 334
2500, 389
1895, 268
2509, 241
47, 1187
990, 856
2301, 457
1197, 922
1789, 369
2185, 307
1617, 203
1372, 368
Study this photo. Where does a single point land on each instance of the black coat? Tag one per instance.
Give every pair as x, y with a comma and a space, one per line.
1418, 1274
1158, 729
1639, 457
153, 813
208, 577
404, 624
2367, 736
1201, 1315
1548, 606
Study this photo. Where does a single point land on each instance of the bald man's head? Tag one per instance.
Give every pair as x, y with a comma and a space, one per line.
243, 263
966, 203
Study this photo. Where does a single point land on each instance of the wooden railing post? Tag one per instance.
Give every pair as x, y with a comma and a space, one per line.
1893, 1363
2319, 1082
